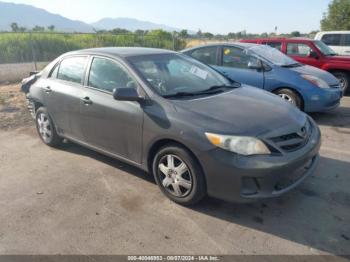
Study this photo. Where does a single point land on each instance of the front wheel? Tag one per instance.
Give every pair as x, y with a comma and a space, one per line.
290, 96
46, 128
178, 175
343, 80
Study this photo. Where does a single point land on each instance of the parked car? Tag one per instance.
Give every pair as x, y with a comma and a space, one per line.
339, 41
307, 87
314, 53
198, 132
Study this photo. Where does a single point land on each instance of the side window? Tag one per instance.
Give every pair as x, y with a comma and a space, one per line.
236, 58
107, 75
347, 40
206, 55
332, 39
298, 49
277, 45
72, 69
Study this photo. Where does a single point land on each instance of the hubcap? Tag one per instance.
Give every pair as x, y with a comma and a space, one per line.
342, 82
44, 127
287, 98
175, 176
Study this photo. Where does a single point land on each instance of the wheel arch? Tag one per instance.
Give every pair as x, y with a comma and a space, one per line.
295, 91
167, 141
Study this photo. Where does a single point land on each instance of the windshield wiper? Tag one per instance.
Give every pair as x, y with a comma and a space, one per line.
292, 65
179, 94
210, 90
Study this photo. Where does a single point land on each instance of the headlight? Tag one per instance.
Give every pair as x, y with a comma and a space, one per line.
316, 81
242, 145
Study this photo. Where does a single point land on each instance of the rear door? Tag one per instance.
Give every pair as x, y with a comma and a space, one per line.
234, 63
111, 125
62, 95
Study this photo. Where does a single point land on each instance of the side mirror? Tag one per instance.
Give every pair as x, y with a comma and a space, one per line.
126, 94
255, 64
312, 54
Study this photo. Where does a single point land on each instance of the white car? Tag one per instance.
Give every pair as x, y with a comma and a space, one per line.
339, 41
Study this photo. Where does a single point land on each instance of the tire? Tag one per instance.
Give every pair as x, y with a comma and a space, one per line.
180, 179
290, 96
46, 128
344, 80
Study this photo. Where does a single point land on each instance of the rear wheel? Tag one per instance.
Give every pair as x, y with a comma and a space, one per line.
178, 175
343, 80
290, 96
46, 128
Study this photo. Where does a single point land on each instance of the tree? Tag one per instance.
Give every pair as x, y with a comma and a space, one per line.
208, 35
22, 29
14, 27
337, 17
38, 29
295, 34
199, 33
119, 31
51, 28
141, 32
183, 34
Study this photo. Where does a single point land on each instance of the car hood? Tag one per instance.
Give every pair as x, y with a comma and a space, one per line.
314, 71
243, 111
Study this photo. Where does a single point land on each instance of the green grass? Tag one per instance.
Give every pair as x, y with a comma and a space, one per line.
25, 47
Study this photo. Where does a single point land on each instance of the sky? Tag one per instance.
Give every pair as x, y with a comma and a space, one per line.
215, 16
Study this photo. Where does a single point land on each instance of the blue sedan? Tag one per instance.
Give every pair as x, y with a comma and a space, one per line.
309, 88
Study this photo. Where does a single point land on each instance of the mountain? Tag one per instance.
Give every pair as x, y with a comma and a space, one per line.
130, 24
30, 16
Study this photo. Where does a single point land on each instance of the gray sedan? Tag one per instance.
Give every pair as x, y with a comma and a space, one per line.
198, 132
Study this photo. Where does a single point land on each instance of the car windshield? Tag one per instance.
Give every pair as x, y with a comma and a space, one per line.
272, 55
174, 74
325, 49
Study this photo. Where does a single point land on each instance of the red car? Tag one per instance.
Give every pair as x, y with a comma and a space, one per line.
311, 52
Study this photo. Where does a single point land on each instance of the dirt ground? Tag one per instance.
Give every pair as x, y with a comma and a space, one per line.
74, 201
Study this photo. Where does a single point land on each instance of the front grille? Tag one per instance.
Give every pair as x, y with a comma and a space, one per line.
293, 141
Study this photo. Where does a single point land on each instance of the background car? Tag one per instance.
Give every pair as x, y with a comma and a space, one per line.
311, 52
195, 130
339, 41
309, 88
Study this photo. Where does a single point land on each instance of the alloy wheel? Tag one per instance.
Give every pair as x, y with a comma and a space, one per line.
175, 176
287, 98
44, 127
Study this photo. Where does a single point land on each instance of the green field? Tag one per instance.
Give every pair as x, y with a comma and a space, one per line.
27, 47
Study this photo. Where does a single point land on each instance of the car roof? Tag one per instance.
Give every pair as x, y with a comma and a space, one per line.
334, 32
235, 44
121, 51
279, 39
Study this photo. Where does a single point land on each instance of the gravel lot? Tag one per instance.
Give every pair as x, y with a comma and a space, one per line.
75, 201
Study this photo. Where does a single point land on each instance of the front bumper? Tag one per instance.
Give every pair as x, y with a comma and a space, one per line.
324, 100
244, 179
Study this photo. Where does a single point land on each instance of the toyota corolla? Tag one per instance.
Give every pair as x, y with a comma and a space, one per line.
196, 131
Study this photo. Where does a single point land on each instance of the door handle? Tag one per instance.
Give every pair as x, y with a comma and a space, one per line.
86, 100
48, 89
